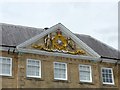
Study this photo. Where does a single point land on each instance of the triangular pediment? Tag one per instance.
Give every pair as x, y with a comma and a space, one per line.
58, 39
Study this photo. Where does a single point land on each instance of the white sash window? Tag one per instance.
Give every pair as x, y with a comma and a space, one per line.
5, 66
60, 71
33, 68
85, 73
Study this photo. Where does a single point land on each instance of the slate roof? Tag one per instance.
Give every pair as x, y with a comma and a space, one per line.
101, 48
13, 35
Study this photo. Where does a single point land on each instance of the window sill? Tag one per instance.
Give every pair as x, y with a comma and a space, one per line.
34, 78
7, 76
64, 81
110, 85
90, 83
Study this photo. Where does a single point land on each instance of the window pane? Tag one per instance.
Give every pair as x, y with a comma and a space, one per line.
56, 75
5, 64
85, 74
110, 71
107, 75
33, 68
60, 70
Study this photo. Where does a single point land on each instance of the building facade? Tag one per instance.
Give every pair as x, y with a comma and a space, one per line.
56, 58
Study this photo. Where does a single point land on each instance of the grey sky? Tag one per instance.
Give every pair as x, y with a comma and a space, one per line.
97, 19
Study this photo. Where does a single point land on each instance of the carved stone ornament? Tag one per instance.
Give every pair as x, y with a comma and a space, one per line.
59, 43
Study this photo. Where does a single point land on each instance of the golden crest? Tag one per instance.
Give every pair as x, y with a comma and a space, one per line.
57, 42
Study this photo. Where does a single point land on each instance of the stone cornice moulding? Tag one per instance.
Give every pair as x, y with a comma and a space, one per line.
39, 52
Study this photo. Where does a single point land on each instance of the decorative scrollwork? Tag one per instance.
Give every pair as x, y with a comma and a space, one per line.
59, 43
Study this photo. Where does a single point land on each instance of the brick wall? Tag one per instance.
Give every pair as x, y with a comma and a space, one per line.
118, 76
20, 80
10, 81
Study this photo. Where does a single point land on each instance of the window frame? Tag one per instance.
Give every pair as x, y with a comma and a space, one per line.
112, 76
88, 81
65, 71
10, 67
32, 76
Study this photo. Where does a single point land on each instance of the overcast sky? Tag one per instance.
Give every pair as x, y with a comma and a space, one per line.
98, 19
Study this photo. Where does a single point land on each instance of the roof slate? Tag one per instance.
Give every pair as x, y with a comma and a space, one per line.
13, 35
101, 48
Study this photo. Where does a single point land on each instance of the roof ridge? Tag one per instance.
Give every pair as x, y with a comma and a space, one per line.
82, 34
20, 26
